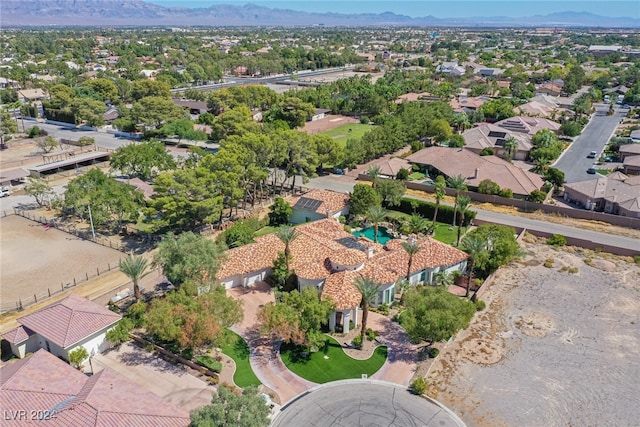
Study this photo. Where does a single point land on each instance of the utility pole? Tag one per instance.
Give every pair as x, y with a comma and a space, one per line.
93, 231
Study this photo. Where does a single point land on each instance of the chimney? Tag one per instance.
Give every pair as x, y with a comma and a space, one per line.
370, 252
475, 174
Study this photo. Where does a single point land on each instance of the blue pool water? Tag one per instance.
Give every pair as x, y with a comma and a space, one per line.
383, 234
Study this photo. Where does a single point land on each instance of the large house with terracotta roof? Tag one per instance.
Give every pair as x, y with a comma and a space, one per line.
318, 204
62, 327
43, 390
328, 258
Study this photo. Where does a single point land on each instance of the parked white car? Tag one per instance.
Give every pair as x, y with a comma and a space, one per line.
5, 192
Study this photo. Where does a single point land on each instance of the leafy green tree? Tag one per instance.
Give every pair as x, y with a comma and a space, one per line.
193, 321
145, 88
7, 124
554, 176
78, 356
48, 144
537, 196
88, 110
457, 141
487, 186
183, 128
327, 149
375, 215
415, 224
363, 197
39, 189
135, 268
411, 248
391, 191
156, 110
292, 111
280, 272
60, 96
497, 109
434, 314
230, 409
298, 318
440, 130
105, 89
239, 234
369, 291
189, 258
502, 247
120, 333
143, 160
279, 212
571, 128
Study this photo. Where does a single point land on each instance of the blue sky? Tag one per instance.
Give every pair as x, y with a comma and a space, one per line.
440, 9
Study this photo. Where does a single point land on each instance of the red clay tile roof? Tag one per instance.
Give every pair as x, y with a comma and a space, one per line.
17, 335
70, 320
329, 200
348, 257
42, 382
339, 288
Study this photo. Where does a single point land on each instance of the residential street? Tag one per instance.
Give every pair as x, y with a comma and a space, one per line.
574, 162
103, 139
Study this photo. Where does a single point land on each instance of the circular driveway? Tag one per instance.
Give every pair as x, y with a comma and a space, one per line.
364, 403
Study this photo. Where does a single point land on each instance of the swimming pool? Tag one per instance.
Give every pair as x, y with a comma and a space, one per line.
383, 234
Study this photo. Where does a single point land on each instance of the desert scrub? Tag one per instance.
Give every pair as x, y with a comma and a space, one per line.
570, 270
588, 261
557, 240
548, 262
419, 386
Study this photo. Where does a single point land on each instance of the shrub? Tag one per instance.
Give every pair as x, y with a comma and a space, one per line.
480, 305
120, 333
487, 186
426, 210
364, 120
571, 128
547, 186
557, 240
347, 228
209, 363
419, 386
588, 261
371, 334
537, 196
384, 309
434, 352
416, 146
77, 356
357, 341
487, 151
342, 219
402, 175
549, 262
636, 259
506, 192
187, 353
33, 132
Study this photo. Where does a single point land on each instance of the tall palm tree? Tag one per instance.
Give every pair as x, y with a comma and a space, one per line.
287, 235
135, 267
511, 147
439, 193
457, 183
463, 204
369, 290
375, 215
411, 248
461, 122
373, 173
474, 246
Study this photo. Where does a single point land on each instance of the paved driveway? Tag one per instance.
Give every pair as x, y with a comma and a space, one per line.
171, 382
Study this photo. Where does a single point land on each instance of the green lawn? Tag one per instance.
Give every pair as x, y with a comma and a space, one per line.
337, 365
346, 131
442, 232
417, 176
265, 230
238, 350
604, 172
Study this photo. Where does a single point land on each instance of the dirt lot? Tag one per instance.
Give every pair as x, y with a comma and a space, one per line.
553, 348
329, 122
34, 259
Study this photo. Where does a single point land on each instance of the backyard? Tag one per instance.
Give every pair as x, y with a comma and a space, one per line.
350, 130
330, 363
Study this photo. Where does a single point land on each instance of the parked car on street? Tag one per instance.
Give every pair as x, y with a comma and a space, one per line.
592, 155
4, 192
591, 170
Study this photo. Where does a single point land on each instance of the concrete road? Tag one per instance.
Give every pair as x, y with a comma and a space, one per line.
574, 162
103, 139
364, 403
340, 184
23, 201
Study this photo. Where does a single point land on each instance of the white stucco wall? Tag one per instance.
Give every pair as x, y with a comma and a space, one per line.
94, 344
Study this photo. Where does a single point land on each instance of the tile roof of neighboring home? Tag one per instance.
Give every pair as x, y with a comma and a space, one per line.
456, 161
339, 288
411, 96
17, 335
329, 200
348, 257
459, 104
196, 105
618, 176
630, 149
529, 125
631, 161
624, 193
535, 108
32, 93
491, 136
70, 320
42, 382
391, 167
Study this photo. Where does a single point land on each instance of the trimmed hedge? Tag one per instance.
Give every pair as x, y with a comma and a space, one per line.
209, 363
426, 209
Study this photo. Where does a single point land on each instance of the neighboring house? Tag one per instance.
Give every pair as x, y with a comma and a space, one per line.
320, 114
630, 150
31, 95
489, 72
475, 168
618, 90
604, 50
43, 390
62, 327
540, 105
451, 68
618, 194
631, 165
412, 97
110, 115
150, 74
6, 83
194, 107
328, 258
389, 168
464, 104
528, 125
319, 204
551, 88
494, 137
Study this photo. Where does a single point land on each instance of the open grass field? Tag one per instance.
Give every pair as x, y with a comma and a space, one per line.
238, 350
331, 363
349, 130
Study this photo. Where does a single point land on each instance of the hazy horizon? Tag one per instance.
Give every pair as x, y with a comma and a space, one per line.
439, 9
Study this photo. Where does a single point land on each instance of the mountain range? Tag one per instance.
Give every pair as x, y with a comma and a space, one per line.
14, 13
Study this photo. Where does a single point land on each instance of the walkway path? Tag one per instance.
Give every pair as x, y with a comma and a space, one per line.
264, 358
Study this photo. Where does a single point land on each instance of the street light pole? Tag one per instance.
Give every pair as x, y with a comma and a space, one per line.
93, 231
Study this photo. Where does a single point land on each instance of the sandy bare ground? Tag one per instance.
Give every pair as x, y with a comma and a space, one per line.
553, 348
329, 122
33, 259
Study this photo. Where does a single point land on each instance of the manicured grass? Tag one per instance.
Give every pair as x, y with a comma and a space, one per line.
265, 230
238, 350
446, 233
416, 176
346, 131
604, 172
337, 366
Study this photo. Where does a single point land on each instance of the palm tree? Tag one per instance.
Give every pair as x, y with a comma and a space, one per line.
287, 235
461, 122
135, 268
439, 192
373, 173
457, 183
411, 248
415, 224
474, 246
443, 278
375, 215
511, 147
463, 204
369, 290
